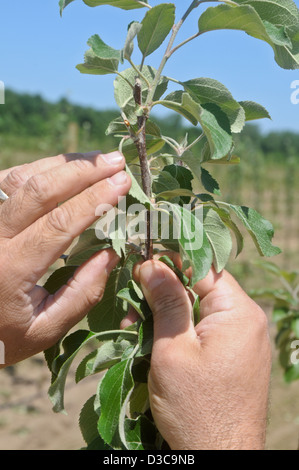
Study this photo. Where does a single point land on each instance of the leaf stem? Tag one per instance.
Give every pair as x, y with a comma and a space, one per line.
184, 42
140, 74
198, 139
124, 78
175, 30
171, 142
143, 3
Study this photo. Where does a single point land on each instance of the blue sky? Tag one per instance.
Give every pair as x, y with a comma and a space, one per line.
39, 52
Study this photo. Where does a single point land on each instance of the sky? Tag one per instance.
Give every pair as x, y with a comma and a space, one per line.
39, 52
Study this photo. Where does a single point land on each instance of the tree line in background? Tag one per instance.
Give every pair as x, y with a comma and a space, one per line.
61, 126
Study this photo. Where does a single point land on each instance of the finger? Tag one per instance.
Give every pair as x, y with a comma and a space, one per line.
168, 301
16, 177
60, 312
4, 173
130, 319
43, 191
218, 293
41, 244
175, 257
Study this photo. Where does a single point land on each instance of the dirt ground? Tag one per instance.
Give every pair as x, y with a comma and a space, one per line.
28, 423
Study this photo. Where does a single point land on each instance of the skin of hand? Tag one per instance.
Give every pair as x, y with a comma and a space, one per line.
51, 202
208, 383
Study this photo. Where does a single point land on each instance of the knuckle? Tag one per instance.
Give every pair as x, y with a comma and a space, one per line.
81, 163
16, 177
91, 196
166, 303
93, 297
260, 319
59, 220
38, 187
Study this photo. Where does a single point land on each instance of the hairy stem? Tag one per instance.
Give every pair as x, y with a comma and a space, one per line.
139, 72
143, 4
175, 30
183, 43
140, 142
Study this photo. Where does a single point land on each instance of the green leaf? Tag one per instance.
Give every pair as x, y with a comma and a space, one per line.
139, 400
196, 309
219, 238
118, 128
254, 111
88, 421
227, 160
280, 314
153, 145
146, 336
123, 92
226, 219
258, 21
94, 65
173, 194
136, 192
289, 276
209, 183
260, 229
108, 314
102, 358
63, 4
133, 30
182, 277
124, 4
193, 162
88, 244
207, 90
194, 245
292, 373
156, 26
280, 296
175, 101
115, 389
72, 344
141, 434
59, 278
164, 181
102, 50
118, 235
134, 296
277, 12
295, 327
213, 120
184, 178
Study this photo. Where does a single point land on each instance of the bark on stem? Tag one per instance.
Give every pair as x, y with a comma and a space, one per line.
140, 143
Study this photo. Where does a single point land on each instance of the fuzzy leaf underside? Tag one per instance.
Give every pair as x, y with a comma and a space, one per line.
276, 23
213, 120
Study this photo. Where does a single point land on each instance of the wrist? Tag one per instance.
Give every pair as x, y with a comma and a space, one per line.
216, 434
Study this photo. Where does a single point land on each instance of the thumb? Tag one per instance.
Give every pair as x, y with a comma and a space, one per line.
167, 299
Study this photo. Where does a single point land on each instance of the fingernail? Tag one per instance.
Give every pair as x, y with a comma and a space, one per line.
113, 158
151, 275
118, 179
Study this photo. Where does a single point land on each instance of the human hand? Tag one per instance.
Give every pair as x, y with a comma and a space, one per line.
35, 232
208, 384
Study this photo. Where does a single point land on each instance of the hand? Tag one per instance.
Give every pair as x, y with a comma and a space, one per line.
208, 384
35, 232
